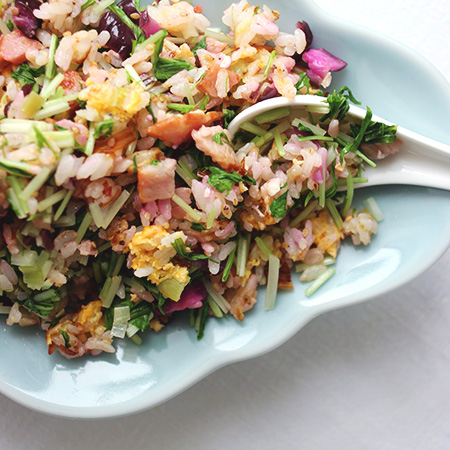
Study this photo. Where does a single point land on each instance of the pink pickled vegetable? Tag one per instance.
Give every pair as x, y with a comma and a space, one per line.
320, 63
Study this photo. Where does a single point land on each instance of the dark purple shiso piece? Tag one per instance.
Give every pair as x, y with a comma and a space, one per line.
25, 20
129, 8
47, 240
27, 88
320, 62
121, 35
192, 297
148, 25
303, 25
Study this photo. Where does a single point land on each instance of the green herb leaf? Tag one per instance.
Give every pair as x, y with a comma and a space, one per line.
303, 81
376, 133
180, 108
278, 207
197, 227
104, 129
10, 25
66, 338
221, 138
182, 251
339, 104
223, 181
166, 68
353, 146
200, 44
228, 116
158, 47
25, 74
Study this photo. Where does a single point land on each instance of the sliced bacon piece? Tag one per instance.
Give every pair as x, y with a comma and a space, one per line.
208, 84
14, 46
157, 182
222, 154
177, 129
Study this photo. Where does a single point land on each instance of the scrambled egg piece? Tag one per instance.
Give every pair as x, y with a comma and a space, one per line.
122, 102
152, 251
327, 235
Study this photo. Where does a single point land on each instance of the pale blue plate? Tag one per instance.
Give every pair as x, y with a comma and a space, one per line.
398, 85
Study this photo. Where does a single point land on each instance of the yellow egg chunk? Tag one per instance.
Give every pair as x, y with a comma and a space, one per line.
122, 102
152, 251
327, 235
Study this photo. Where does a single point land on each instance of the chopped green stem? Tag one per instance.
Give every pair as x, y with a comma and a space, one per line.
83, 227
326, 261
90, 143
263, 247
63, 205
229, 264
101, 6
151, 40
194, 215
242, 254
365, 158
50, 68
349, 196
219, 36
334, 213
315, 138
254, 129
211, 217
272, 282
304, 214
50, 201
35, 184
272, 115
131, 71
52, 111
313, 128
50, 89
269, 63
373, 208
219, 299
23, 126
282, 127
115, 208
343, 181
57, 101
279, 142
214, 307
319, 281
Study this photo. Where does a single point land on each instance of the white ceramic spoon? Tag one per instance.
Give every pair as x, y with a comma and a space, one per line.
421, 161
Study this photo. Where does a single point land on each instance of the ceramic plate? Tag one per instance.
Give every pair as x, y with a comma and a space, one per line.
391, 79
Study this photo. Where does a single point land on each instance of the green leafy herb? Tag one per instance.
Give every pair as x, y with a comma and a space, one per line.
182, 251
138, 33
104, 129
25, 74
199, 317
10, 25
339, 104
223, 181
302, 82
376, 133
81, 103
158, 47
200, 44
142, 322
278, 206
59, 127
66, 338
228, 116
134, 165
180, 108
43, 302
18, 168
166, 68
221, 138
353, 146
197, 227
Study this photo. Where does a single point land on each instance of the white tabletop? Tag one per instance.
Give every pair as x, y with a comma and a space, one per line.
371, 376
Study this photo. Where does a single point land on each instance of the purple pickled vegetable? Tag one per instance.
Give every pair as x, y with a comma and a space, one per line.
25, 20
129, 8
121, 34
47, 240
192, 297
303, 25
320, 63
27, 88
148, 25
298, 132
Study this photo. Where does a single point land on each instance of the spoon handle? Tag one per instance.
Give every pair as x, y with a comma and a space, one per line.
421, 161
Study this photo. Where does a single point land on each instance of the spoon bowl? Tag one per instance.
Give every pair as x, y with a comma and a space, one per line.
421, 161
